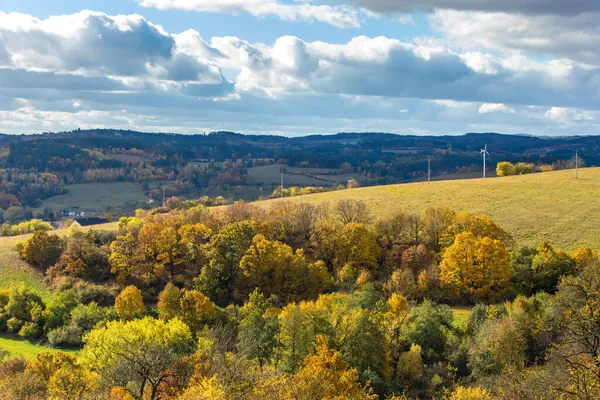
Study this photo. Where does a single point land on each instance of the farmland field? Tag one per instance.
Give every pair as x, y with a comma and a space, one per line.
96, 196
551, 206
295, 176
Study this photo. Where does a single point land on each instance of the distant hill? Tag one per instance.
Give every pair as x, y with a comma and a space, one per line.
36, 168
551, 206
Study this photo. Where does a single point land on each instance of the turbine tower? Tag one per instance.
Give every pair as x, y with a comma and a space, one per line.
485, 153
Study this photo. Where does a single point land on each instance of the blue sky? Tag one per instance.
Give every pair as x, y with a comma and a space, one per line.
301, 67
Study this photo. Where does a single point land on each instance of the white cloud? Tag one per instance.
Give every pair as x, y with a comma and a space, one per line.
568, 115
557, 7
91, 69
494, 107
574, 36
340, 16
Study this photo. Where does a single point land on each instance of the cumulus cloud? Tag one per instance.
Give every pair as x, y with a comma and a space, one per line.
571, 7
340, 16
92, 43
568, 115
391, 68
91, 69
498, 107
573, 36
86, 41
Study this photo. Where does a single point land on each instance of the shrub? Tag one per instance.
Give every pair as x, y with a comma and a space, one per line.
68, 335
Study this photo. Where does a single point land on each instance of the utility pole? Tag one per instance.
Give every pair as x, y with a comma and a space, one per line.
576, 164
282, 182
428, 169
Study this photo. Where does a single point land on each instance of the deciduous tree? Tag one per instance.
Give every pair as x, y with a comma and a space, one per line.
129, 303
476, 268
137, 355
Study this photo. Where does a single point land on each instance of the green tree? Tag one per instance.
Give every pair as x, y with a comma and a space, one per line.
137, 355
430, 326
299, 326
522, 168
225, 250
258, 328
549, 266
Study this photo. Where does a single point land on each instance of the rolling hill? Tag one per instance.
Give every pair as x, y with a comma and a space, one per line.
551, 206
14, 271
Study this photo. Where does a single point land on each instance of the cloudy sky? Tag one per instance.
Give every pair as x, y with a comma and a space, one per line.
298, 67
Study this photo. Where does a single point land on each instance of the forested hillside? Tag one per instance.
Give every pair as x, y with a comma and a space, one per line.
37, 167
305, 300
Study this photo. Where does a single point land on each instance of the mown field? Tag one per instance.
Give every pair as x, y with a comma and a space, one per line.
21, 347
551, 206
14, 271
96, 196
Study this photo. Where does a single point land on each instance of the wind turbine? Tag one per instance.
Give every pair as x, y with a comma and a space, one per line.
485, 153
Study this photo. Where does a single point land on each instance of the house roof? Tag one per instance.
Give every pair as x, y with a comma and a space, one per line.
90, 221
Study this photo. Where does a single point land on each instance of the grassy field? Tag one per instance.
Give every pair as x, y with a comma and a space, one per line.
21, 347
551, 206
96, 196
14, 271
294, 176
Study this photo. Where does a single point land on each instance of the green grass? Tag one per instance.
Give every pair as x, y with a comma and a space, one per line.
14, 271
21, 347
551, 206
96, 196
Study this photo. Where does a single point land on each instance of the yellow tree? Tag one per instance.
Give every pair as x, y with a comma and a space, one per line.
479, 225
505, 168
129, 303
357, 248
478, 268
467, 393
196, 310
275, 269
325, 375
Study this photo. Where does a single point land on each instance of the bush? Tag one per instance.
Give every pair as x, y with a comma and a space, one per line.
102, 295
30, 330
12, 367
88, 316
14, 325
68, 335
505, 168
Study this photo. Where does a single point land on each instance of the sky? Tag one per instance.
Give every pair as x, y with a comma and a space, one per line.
298, 67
